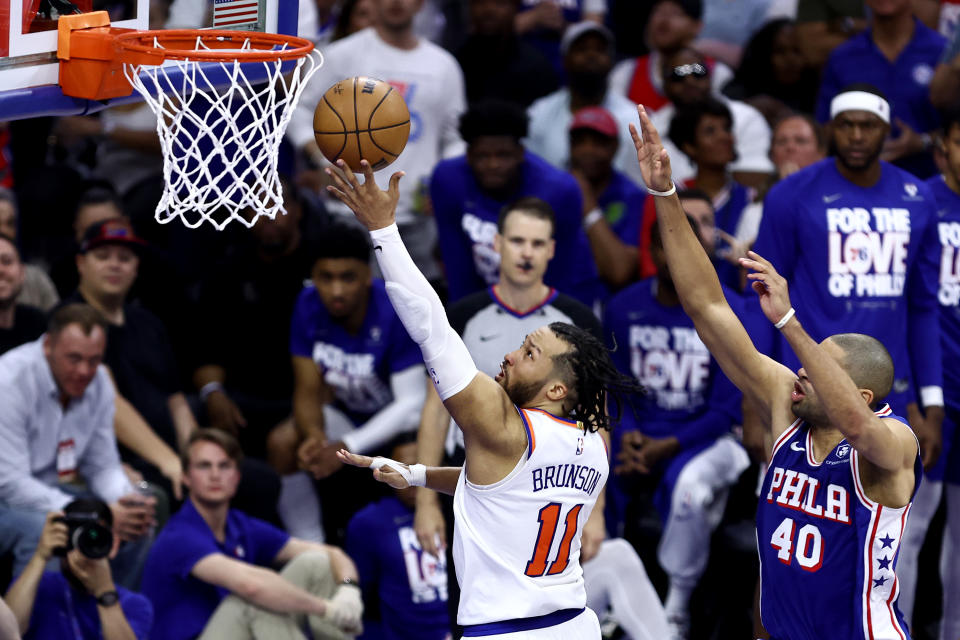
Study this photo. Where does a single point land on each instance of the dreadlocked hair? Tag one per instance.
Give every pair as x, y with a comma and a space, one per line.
592, 377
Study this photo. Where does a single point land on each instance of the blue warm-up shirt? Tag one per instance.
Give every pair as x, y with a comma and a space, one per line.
61, 612
905, 82
183, 604
860, 260
409, 584
622, 206
467, 222
356, 366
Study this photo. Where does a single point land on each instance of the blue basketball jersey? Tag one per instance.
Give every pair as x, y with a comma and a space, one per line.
827, 551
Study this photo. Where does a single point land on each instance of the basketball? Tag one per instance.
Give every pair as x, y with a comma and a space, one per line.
361, 118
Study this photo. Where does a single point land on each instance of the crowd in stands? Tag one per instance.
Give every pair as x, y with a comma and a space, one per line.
185, 391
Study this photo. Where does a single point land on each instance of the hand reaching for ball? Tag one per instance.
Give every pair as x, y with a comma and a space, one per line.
372, 206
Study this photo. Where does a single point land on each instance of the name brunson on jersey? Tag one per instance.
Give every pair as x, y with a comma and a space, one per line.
575, 476
800, 492
867, 261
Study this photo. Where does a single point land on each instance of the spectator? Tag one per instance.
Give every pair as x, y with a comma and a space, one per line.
945, 85
408, 583
896, 54
544, 22
209, 574
813, 227
497, 63
824, 25
358, 382
80, 600
798, 142
680, 432
946, 473
56, 428
686, 80
354, 16
703, 132
431, 83
773, 76
138, 354
612, 203
38, 290
673, 25
587, 49
251, 294
469, 192
728, 26
19, 323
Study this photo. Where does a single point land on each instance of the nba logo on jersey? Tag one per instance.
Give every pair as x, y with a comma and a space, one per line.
579, 445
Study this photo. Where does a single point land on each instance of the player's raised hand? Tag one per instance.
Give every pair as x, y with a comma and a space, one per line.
653, 158
374, 207
769, 285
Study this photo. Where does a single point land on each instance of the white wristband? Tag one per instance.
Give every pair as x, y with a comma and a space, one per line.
669, 192
931, 396
592, 218
415, 474
785, 319
209, 388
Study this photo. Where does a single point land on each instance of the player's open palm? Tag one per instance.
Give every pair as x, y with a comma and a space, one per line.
373, 206
385, 470
769, 285
653, 158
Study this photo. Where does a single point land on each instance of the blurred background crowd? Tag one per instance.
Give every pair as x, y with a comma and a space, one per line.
282, 336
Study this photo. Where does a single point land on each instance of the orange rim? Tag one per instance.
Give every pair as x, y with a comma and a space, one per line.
180, 44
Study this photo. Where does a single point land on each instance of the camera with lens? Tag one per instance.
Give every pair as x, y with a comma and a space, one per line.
86, 534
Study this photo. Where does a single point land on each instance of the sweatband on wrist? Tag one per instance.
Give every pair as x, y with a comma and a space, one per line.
931, 396
669, 192
210, 387
860, 101
785, 319
414, 474
449, 364
592, 218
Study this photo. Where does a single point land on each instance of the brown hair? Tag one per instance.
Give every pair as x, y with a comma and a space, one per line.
76, 313
218, 437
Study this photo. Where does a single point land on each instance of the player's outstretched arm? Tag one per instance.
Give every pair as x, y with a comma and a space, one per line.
887, 444
478, 404
401, 476
766, 382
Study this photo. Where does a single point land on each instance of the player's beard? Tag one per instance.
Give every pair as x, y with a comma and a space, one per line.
870, 159
811, 412
521, 393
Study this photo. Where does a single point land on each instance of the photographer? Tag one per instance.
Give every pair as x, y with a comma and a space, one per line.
81, 601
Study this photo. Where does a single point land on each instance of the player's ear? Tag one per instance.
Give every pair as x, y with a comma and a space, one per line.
867, 396
557, 391
498, 243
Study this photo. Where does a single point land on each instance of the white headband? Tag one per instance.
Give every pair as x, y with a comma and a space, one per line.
860, 101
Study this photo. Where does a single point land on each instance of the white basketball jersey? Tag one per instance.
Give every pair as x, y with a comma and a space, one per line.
516, 543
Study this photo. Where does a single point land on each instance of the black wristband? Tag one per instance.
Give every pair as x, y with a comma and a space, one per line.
108, 598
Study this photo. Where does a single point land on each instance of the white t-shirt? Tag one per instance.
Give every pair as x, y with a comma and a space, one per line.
549, 133
431, 83
751, 138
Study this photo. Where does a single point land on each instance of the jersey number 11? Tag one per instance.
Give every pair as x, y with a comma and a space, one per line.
549, 517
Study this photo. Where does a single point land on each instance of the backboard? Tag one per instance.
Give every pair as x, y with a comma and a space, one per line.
28, 43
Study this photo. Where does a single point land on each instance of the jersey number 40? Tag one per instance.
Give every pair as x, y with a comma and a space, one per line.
549, 517
809, 551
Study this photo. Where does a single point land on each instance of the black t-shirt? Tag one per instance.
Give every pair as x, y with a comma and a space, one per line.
29, 323
140, 355
244, 324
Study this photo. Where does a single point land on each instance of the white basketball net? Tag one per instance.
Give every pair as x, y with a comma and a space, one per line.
220, 145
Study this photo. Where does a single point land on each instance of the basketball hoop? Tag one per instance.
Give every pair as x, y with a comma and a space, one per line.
222, 103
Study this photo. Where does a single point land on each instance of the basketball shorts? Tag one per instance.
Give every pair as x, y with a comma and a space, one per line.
584, 626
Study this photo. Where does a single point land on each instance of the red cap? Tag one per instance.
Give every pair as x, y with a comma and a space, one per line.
596, 119
113, 231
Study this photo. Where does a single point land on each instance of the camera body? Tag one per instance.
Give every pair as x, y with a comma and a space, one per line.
86, 534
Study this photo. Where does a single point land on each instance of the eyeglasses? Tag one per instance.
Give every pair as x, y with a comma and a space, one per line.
695, 69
